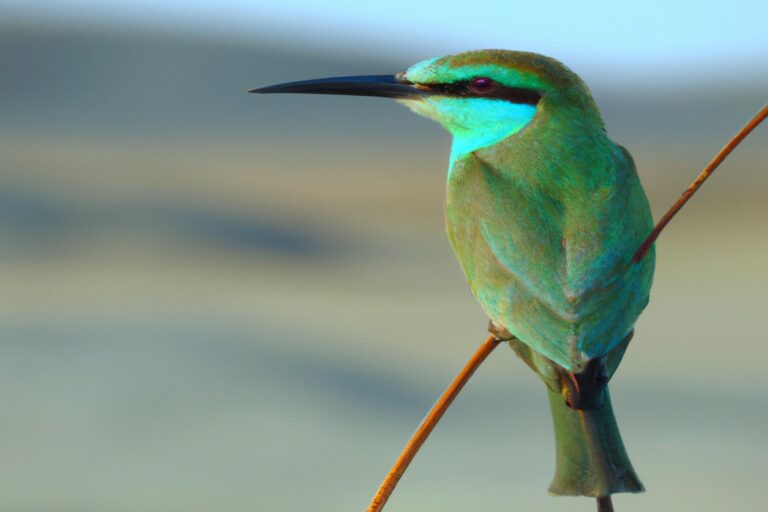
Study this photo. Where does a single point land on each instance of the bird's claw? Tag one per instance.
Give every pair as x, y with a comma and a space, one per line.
499, 332
584, 390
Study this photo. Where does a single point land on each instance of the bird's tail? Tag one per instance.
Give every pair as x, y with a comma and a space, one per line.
591, 459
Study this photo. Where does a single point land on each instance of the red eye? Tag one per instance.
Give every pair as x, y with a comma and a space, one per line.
481, 85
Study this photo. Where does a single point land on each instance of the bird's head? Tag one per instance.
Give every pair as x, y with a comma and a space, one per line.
480, 97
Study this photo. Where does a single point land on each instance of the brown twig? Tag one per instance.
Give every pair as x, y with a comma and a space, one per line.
709, 169
604, 504
442, 404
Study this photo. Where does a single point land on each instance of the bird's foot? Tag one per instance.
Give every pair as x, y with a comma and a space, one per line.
499, 332
584, 390
580, 390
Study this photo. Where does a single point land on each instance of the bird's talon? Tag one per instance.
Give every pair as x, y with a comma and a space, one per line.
499, 332
585, 390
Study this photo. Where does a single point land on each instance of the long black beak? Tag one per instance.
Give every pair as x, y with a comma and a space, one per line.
385, 86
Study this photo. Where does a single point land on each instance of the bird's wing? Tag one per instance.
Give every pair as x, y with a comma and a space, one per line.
543, 267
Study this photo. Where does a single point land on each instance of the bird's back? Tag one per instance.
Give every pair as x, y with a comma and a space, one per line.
544, 225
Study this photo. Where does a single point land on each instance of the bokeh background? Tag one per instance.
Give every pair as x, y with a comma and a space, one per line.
218, 301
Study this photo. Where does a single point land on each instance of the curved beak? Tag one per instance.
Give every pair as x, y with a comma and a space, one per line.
385, 86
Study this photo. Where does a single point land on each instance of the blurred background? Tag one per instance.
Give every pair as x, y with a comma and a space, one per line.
220, 301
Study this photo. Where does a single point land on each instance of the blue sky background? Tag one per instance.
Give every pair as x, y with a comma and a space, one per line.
635, 36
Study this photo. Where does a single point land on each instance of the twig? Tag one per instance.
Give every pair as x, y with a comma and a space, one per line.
604, 504
421, 434
709, 169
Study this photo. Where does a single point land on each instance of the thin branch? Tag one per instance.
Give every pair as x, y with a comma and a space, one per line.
722, 155
604, 504
421, 434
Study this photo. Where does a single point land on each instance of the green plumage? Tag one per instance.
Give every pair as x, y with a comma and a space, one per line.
544, 213
545, 221
544, 218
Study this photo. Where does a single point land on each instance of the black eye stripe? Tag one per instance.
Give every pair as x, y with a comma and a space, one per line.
461, 89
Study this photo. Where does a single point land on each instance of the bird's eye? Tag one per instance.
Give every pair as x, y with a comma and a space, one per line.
481, 85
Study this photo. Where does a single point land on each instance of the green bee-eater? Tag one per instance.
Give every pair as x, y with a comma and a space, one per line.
544, 213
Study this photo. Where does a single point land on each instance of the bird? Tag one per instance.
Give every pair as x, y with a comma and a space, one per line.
544, 213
